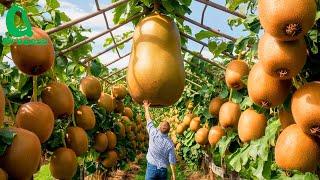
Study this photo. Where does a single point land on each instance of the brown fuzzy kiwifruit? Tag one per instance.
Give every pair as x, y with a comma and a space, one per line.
36, 117
34, 59
59, 98
107, 102
215, 134
22, 157
110, 160
100, 142
139, 119
235, 71
181, 128
145, 76
127, 112
296, 150
63, 163
251, 126
2, 105
85, 117
285, 60
119, 92
195, 124
127, 123
229, 114
91, 88
305, 107
77, 140
265, 90
122, 129
215, 105
187, 119
286, 118
287, 20
112, 140
201, 136
3, 175
119, 106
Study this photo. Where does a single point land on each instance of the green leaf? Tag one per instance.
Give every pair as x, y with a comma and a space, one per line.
6, 139
221, 47
168, 5
212, 45
236, 97
53, 4
204, 34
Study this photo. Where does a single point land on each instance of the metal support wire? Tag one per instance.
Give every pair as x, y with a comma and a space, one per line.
203, 58
117, 72
203, 44
107, 24
195, 76
222, 8
106, 50
75, 46
207, 28
75, 21
115, 81
193, 83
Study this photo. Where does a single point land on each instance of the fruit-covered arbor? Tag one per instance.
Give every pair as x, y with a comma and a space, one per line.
205, 78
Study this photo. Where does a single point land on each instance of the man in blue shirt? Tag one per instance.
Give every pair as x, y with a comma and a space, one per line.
161, 149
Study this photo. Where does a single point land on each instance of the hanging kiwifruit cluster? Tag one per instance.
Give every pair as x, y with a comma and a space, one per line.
282, 53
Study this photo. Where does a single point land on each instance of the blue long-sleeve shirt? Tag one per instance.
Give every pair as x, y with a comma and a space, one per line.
161, 148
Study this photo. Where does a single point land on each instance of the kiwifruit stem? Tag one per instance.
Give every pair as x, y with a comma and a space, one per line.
63, 139
230, 95
11, 110
73, 120
293, 29
35, 89
156, 6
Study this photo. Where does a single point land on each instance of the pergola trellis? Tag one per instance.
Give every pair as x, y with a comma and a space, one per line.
109, 30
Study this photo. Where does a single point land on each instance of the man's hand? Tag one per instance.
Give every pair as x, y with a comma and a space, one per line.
146, 104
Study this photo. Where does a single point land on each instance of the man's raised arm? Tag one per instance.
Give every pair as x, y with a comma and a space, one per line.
172, 161
150, 127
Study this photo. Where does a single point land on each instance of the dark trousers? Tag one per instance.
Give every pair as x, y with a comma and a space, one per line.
156, 174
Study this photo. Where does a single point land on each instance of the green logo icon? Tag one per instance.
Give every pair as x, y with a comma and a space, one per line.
17, 34
12, 29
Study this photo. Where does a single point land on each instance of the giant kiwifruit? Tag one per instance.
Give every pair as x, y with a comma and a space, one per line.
3, 175
156, 71
215, 134
22, 157
34, 59
119, 106
63, 163
100, 142
286, 118
305, 107
36, 117
287, 20
60, 99
112, 140
107, 102
110, 160
195, 124
201, 136
77, 140
2, 105
251, 125
235, 71
265, 90
119, 92
215, 105
187, 119
296, 150
127, 112
181, 128
229, 114
282, 59
85, 117
91, 88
